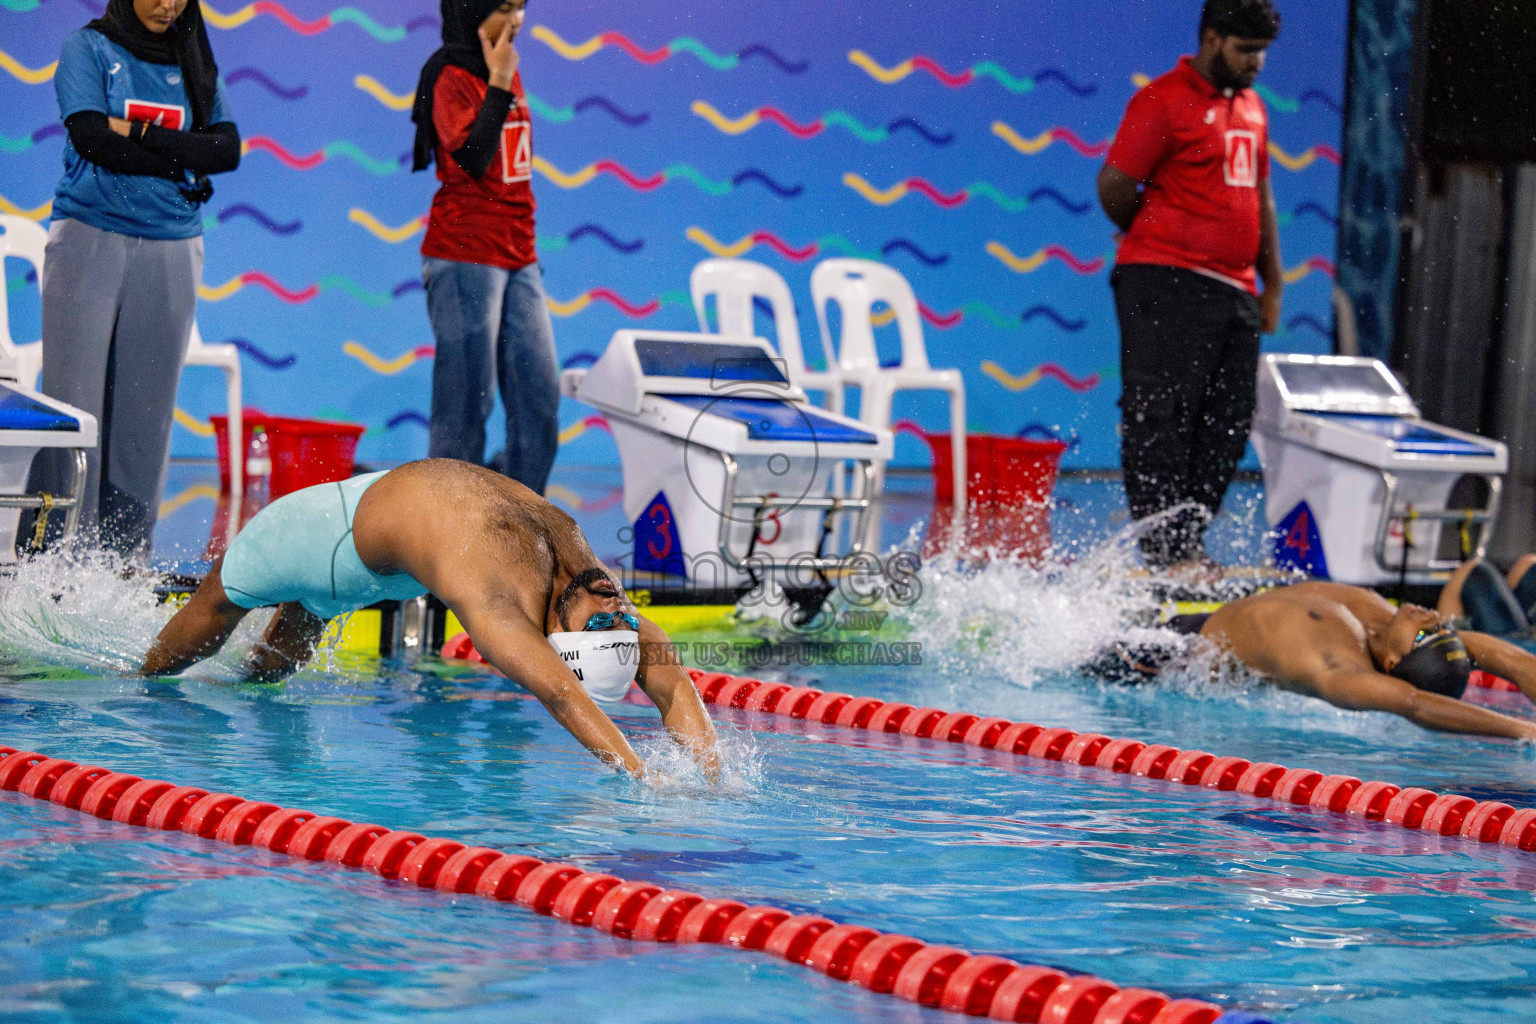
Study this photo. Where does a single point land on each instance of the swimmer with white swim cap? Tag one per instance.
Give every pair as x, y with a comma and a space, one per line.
515, 570
1350, 647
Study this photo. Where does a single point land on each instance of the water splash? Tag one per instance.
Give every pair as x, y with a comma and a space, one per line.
671, 771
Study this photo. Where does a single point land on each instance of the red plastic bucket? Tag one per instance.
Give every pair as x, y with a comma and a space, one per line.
1009, 471
303, 452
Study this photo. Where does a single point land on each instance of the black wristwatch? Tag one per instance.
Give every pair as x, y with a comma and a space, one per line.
136, 130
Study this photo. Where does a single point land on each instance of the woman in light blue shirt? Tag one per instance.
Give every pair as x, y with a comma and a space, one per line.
139, 94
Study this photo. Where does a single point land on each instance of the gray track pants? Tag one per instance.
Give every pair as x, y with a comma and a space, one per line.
117, 313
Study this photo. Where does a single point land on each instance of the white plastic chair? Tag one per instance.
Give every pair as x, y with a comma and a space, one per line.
734, 284
226, 358
856, 285
26, 240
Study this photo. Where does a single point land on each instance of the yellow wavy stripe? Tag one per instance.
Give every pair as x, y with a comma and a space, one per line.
196, 492
222, 292
745, 123
883, 317
565, 49
1297, 272
875, 195
565, 496
1140, 80
1029, 147
193, 424
383, 232
373, 87
716, 248
571, 433
885, 76
28, 75
1017, 264
37, 213
562, 179
1007, 379
235, 20
387, 367
571, 308
1299, 162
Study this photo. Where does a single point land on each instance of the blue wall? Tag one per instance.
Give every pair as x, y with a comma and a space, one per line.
320, 94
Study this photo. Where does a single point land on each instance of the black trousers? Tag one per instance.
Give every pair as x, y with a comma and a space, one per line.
1189, 356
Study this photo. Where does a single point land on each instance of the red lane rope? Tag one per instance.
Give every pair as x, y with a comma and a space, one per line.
939, 976
1449, 814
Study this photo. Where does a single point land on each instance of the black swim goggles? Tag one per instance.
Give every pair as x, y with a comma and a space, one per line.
605, 620
1423, 636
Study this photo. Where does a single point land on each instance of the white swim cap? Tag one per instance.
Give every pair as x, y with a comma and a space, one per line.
605, 660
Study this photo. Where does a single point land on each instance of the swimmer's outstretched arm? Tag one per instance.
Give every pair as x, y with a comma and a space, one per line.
503, 634
663, 679
1359, 690
1503, 658
196, 631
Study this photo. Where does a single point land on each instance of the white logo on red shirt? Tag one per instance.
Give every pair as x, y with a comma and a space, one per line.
516, 151
165, 115
1241, 166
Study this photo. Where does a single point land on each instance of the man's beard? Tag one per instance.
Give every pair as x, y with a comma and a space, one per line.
1223, 75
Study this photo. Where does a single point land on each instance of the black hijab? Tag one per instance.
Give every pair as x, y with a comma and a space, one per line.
185, 44
461, 48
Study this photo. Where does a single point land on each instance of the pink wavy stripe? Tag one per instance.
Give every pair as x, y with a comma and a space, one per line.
257, 277
1089, 149
623, 173
425, 351
298, 163
1328, 153
1087, 383
953, 81
643, 56
784, 248
799, 131
908, 427
281, 13
1323, 264
947, 202
598, 422
1092, 266
607, 501
625, 306
943, 321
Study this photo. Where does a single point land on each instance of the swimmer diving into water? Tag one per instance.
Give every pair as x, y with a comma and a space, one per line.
1350, 647
515, 570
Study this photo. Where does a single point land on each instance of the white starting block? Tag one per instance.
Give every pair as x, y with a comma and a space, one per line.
30, 422
728, 468
1351, 472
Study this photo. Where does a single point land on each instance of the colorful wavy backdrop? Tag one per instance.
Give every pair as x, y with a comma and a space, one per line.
959, 147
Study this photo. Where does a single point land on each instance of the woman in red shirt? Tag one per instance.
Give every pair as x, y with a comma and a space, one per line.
485, 294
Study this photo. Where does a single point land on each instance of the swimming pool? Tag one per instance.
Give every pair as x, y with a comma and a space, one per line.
1302, 916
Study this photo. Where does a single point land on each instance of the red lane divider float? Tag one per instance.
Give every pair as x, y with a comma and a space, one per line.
940, 976
1449, 815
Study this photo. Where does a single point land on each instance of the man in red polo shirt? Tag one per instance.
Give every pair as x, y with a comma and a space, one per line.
1187, 181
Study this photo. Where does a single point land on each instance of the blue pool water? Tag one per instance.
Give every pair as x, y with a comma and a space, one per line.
1307, 917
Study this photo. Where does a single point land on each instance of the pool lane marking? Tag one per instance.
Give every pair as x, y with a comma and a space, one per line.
1450, 814
936, 976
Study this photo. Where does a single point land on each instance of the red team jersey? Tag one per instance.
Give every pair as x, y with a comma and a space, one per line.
1201, 155
487, 220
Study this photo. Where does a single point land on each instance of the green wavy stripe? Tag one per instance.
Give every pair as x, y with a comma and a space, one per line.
369, 164
14, 146
549, 243
15, 284
1007, 202
675, 298
863, 134
346, 284
997, 71
837, 243
559, 115
709, 185
21, 6
367, 24
992, 316
688, 44
1274, 99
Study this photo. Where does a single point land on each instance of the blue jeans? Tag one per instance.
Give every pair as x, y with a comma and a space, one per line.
493, 331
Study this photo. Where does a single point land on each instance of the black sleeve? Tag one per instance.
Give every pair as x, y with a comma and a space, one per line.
211, 150
485, 134
98, 143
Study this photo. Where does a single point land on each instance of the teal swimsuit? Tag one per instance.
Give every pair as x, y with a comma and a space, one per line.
299, 548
